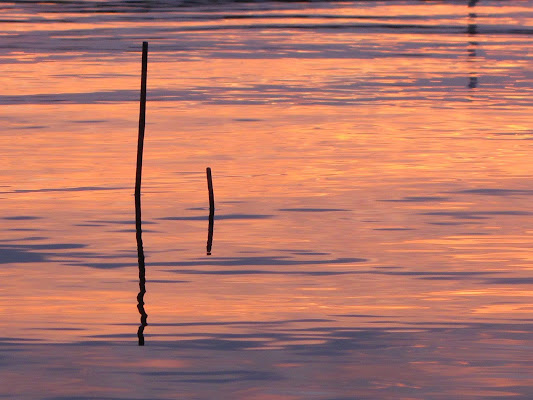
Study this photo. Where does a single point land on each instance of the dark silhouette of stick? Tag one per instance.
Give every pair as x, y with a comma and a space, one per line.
138, 228
211, 211
142, 123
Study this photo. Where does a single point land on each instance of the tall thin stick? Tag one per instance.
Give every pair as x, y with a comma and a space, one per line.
211, 211
138, 228
142, 123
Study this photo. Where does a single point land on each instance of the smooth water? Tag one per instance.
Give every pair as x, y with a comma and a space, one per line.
372, 175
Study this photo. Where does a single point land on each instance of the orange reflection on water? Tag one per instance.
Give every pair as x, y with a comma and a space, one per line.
344, 164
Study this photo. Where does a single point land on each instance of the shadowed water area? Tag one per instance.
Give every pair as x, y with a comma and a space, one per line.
371, 165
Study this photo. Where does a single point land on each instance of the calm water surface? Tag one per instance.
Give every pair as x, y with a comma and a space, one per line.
372, 172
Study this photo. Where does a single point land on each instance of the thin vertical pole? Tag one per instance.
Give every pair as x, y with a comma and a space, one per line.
210, 189
138, 228
211, 211
142, 123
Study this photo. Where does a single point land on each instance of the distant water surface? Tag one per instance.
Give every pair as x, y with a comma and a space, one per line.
372, 175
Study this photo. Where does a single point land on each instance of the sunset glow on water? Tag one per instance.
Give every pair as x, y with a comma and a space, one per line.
372, 177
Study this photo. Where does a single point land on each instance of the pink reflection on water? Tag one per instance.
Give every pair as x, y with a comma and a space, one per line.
373, 219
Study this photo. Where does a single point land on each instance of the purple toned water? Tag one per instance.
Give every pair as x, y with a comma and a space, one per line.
372, 175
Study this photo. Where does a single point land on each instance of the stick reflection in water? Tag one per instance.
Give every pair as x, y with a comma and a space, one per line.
211, 211
138, 228
472, 31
